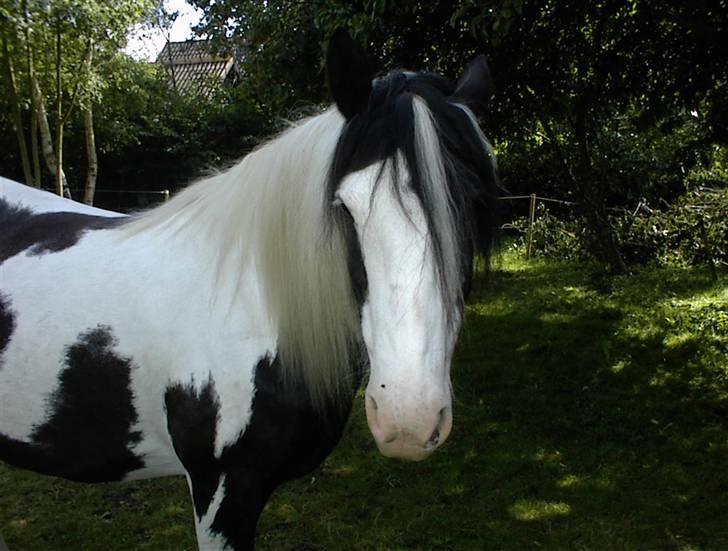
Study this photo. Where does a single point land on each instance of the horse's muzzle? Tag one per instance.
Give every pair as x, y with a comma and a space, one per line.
412, 436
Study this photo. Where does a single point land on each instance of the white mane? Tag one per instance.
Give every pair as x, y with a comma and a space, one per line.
269, 210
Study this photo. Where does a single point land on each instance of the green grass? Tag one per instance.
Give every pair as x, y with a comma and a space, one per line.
589, 414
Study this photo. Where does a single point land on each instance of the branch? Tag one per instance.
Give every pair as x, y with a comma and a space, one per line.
86, 64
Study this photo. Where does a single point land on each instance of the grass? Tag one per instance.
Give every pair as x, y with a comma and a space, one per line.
589, 414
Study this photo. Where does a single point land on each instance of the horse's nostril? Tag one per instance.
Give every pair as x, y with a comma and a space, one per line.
434, 439
372, 402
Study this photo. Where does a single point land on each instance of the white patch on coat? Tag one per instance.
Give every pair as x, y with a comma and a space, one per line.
207, 540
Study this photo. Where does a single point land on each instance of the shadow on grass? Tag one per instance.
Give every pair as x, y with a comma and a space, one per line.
580, 423
617, 434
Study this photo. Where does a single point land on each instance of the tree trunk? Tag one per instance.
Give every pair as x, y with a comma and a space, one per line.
92, 160
589, 192
46, 139
590, 187
35, 154
9, 71
60, 184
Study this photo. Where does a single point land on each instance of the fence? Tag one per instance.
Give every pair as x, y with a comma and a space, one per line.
533, 198
114, 201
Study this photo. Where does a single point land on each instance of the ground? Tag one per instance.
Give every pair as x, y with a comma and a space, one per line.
590, 413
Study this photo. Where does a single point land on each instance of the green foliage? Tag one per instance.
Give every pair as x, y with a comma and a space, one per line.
553, 237
151, 138
589, 94
692, 231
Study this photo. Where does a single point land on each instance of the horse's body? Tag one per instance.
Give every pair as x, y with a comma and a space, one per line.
220, 336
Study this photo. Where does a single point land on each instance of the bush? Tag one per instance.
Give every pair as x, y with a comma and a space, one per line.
692, 231
552, 237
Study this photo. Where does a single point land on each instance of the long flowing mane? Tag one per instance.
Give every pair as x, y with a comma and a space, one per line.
273, 211
267, 212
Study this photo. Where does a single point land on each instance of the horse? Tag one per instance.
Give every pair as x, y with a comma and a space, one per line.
224, 334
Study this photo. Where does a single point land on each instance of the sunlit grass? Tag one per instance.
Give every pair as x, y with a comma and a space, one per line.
530, 509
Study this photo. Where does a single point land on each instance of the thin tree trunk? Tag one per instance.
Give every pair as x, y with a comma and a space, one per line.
38, 115
92, 160
591, 191
46, 139
17, 113
60, 187
34, 151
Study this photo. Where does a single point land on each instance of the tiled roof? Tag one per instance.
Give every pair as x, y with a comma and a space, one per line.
193, 67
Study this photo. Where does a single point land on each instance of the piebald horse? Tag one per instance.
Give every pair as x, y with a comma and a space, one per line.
223, 335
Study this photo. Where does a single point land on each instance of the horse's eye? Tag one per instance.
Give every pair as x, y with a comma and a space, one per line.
341, 206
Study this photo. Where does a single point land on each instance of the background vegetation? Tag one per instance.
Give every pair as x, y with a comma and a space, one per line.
610, 104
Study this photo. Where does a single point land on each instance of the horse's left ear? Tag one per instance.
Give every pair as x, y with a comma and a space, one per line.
475, 86
350, 76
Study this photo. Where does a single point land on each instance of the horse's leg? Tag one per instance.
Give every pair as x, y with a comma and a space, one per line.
229, 519
229, 488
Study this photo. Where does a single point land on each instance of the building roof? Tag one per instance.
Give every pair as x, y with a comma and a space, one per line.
194, 67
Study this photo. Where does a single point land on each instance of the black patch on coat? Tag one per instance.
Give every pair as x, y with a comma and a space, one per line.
192, 423
46, 232
285, 439
7, 324
88, 435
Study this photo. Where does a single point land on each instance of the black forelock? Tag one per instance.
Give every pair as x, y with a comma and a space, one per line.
387, 127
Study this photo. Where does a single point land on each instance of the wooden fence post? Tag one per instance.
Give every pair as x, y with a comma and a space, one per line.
165, 194
531, 219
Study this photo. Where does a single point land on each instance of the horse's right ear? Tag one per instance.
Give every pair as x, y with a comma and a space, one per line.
350, 76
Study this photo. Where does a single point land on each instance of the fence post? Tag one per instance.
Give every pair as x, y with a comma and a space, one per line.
531, 219
165, 194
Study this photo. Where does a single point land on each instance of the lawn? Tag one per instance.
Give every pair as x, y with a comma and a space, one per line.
590, 413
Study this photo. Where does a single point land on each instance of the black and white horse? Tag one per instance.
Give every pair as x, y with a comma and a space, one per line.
223, 335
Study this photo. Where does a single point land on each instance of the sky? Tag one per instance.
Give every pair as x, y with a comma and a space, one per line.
146, 44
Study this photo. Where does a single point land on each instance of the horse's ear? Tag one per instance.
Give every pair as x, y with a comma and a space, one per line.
350, 76
475, 86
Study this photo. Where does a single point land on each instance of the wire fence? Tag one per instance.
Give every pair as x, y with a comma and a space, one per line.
533, 199
122, 200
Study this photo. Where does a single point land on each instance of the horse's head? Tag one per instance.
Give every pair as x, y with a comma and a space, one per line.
412, 186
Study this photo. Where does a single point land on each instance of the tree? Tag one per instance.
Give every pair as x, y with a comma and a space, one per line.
571, 76
59, 44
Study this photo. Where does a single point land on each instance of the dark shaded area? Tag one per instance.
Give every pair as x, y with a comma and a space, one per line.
45, 232
563, 393
286, 438
88, 435
7, 324
192, 419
